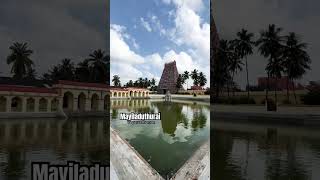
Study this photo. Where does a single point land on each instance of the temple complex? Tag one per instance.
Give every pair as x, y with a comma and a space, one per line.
36, 98
169, 77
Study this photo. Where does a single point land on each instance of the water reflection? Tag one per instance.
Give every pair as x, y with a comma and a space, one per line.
250, 151
24, 141
168, 143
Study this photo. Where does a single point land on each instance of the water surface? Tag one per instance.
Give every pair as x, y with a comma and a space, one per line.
265, 152
168, 143
23, 141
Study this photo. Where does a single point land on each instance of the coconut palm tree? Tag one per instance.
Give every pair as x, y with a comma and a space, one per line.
234, 62
66, 69
31, 74
186, 76
82, 72
244, 47
275, 68
202, 79
116, 81
98, 64
296, 60
20, 60
269, 45
194, 76
220, 73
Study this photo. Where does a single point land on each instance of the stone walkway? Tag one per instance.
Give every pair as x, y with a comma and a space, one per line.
197, 167
288, 115
126, 163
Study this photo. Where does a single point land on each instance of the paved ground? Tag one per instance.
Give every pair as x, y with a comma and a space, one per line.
289, 115
197, 167
314, 110
126, 163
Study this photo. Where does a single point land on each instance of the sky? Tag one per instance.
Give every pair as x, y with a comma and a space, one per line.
301, 17
145, 34
53, 29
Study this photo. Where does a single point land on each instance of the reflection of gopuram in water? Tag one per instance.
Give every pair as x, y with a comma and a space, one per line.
172, 115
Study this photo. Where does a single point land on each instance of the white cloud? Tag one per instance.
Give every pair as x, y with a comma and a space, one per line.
195, 5
145, 24
189, 31
119, 49
166, 1
156, 24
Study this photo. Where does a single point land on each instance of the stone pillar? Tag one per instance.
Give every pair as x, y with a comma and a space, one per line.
75, 104
49, 105
8, 105
88, 104
60, 104
101, 105
24, 104
36, 104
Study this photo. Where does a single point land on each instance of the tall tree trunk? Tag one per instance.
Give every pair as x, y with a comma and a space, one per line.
228, 88
294, 92
267, 89
233, 90
248, 86
288, 89
275, 92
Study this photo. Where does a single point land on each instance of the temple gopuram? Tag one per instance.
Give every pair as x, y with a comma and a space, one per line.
169, 78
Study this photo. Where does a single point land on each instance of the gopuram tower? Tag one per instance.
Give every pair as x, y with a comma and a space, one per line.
169, 77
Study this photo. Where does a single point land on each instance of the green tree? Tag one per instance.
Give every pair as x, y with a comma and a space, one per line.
66, 70
179, 82
269, 45
202, 79
98, 64
244, 47
296, 60
186, 76
195, 78
32, 74
20, 60
116, 81
130, 83
82, 72
234, 64
221, 73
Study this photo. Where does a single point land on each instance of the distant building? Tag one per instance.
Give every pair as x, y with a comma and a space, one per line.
196, 88
280, 83
169, 77
37, 98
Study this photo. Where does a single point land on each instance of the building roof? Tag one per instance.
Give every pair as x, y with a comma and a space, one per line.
17, 88
82, 84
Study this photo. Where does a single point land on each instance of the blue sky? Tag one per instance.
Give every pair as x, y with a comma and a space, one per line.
145, 34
